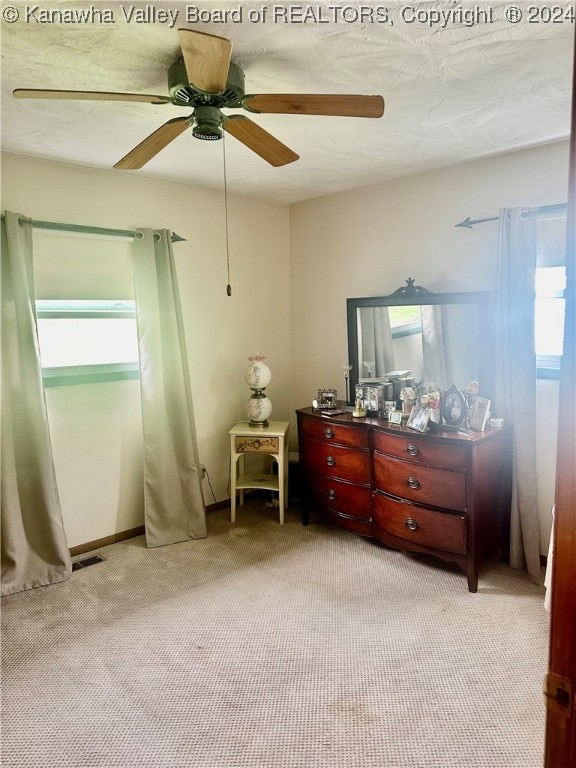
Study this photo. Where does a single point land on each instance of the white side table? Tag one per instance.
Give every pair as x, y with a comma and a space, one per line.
272, 440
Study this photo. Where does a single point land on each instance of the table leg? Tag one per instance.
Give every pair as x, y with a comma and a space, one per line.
286, 466
233, 468
281, 489
241, 472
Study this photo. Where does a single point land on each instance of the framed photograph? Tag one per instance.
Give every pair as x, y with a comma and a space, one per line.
371, 396
480, 414
389, 405
395, 417
374, 397
327, 399
419, 418
453, 408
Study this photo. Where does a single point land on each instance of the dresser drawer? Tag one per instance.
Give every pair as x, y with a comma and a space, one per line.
420, 451
338, 496
340, 434
338, 462
352, 524
437, 530
424, 485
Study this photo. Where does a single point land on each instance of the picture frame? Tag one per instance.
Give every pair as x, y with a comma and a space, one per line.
453, 408
395, 417
418, 418
480, 414
327, 399
371, 396
388, 407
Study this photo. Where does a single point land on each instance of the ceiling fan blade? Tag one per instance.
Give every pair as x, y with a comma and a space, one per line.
316, 104
32, 93
258, 140
207, 60
150, 147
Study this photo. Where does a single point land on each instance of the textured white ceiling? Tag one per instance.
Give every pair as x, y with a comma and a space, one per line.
453, 91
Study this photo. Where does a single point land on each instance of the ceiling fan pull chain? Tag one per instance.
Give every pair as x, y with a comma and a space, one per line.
228, 287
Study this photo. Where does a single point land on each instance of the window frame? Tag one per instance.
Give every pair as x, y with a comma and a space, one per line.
91, 373
405, 329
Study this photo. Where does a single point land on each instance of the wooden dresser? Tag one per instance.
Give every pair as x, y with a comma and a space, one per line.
445, 494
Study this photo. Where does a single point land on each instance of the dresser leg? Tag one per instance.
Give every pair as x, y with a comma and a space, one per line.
472, 574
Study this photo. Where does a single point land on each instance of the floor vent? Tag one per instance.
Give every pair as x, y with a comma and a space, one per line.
86, 562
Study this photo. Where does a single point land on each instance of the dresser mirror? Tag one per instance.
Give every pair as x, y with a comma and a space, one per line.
439, 337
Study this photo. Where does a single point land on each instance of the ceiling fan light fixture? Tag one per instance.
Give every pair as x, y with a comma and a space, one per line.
206, 133
207, 124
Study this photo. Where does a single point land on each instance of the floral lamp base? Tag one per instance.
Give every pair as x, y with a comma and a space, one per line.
259, 409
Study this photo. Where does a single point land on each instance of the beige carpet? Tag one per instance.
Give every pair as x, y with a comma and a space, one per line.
280, 647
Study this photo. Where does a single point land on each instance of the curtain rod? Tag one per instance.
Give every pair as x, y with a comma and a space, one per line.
469, 223
90, 230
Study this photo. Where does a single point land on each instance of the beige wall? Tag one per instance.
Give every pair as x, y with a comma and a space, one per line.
292, 270
369, 241
96, 428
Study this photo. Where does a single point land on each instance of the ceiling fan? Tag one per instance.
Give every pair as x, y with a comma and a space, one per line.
205, 79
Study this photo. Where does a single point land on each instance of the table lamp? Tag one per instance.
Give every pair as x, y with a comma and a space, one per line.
257, 375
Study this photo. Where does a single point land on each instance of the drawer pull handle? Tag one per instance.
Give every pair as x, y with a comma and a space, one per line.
411, 524
329, 433
330, 460
413, 450
413, 483
331, 495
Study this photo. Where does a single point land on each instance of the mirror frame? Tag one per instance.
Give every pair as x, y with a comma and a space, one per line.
412, 295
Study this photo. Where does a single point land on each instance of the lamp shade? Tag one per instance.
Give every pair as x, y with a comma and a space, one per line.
257, 375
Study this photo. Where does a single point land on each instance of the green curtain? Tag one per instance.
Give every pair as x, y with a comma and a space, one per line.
173, 502
34, 549
516, 377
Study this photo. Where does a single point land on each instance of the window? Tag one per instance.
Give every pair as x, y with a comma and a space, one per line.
86, 341
550, 284
405, 321
549, 320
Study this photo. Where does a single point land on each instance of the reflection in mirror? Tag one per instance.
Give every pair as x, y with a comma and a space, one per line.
437, 343
442, 338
